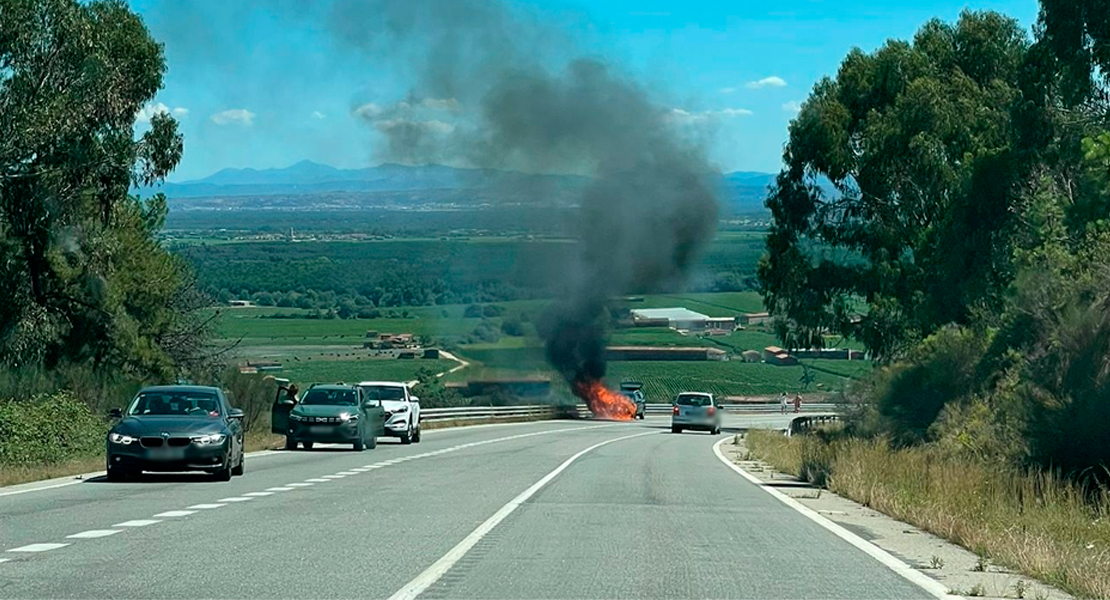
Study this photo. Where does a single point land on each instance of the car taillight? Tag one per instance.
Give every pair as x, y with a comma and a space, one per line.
674, 409
711, 410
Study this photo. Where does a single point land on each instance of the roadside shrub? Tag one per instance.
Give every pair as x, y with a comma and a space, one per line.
911, 395
253, 394
48, 429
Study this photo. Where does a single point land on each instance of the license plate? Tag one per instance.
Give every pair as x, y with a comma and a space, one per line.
167, 454
321, 429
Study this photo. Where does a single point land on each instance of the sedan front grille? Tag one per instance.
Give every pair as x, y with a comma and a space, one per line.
151, 442
179, 441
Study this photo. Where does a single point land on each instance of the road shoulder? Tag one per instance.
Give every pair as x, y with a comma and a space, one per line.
956, 568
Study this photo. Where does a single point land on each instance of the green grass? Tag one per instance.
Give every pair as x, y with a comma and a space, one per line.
351, 371
664, 379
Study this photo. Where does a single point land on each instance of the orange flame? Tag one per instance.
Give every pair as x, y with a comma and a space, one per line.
605, 403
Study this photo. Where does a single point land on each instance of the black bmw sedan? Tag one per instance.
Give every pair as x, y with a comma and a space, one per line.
177, 428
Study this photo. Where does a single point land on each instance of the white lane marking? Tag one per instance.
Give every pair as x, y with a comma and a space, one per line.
279, 489
333, 476
83, 479
38, 547
317, 480
137, 523
176, 513
440, 568
346, 473
360, 469
4, 560
94, 533
257, 494
297, 485
234, 499
206, 506
914, 576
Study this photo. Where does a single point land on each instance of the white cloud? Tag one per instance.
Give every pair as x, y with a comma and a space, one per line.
440, 104
368, 110
148, 111
685, 116
318, 115
793, 106
774, 81
234, 116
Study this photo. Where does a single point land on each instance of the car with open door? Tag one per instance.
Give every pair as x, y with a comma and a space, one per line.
176, 428
633, 390
402, 409
696, 410
336, 414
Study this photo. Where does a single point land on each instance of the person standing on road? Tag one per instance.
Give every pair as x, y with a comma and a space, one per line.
797, 403
291, 394
782, 403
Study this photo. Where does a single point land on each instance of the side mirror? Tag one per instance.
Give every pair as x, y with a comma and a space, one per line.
115, 413
234, 413
414, 399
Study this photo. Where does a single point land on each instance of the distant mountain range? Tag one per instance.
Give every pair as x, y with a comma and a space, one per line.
308, 184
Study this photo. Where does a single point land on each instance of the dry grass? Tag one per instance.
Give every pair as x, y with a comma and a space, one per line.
1034, 522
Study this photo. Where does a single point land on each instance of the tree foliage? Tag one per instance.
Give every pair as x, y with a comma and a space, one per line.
85, 278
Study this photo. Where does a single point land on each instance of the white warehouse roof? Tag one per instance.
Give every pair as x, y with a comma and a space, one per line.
670, 314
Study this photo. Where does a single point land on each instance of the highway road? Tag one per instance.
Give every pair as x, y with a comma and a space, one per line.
558, 509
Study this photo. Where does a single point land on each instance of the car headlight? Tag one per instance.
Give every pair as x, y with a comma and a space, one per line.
119, 438
293, 417
210, 439
348, 418
403, 409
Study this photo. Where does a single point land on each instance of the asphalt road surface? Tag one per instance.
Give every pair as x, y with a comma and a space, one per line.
559, 509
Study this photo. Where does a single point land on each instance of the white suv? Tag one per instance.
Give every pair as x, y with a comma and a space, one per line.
402, 409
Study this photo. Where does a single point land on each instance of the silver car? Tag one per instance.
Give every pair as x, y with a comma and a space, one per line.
696, 410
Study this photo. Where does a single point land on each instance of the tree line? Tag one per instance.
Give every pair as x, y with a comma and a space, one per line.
972, 174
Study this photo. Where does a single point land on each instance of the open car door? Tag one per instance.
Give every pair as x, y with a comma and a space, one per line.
279, 410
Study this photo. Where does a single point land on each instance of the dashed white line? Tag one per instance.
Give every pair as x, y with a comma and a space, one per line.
93, 534
297, 485
334, 476
258, 494
235, 499
38, 547
317, 480
279, 489
346, 473
137, 523
4, 560
360, 470
176, 513
206, 506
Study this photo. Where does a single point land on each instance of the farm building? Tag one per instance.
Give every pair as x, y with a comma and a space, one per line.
830, 354
663, 353
756, 318
680, 318
773, 355
751, 356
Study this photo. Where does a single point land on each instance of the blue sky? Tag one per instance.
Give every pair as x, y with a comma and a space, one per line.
260, 87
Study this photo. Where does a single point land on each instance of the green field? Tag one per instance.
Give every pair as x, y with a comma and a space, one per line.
350, 371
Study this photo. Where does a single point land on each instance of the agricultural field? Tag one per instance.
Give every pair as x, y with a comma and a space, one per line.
350, 371
664, 379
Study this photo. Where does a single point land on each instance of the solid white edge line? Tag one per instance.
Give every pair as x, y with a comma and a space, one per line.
921, 580
439, 568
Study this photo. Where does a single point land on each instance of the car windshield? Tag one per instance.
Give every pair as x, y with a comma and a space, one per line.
175, 403
331, 397
383, 392
693, 400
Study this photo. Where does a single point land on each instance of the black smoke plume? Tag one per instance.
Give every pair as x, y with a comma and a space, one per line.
523, 100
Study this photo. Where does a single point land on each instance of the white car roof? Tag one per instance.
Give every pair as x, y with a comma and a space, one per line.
385, 383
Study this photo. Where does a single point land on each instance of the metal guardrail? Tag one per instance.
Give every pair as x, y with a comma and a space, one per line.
808, 423
552, 412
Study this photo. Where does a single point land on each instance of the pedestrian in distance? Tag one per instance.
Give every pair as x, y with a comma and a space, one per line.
797, 403
291, 395
782, 403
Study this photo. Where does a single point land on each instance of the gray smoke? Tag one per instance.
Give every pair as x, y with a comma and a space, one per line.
494, 88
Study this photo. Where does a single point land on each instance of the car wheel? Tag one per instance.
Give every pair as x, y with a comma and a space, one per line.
416, 435
372, 442
406, 437
290, 443
239, 468
675, 429
307, 445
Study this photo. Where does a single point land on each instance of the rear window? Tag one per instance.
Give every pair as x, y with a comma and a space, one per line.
694, 400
